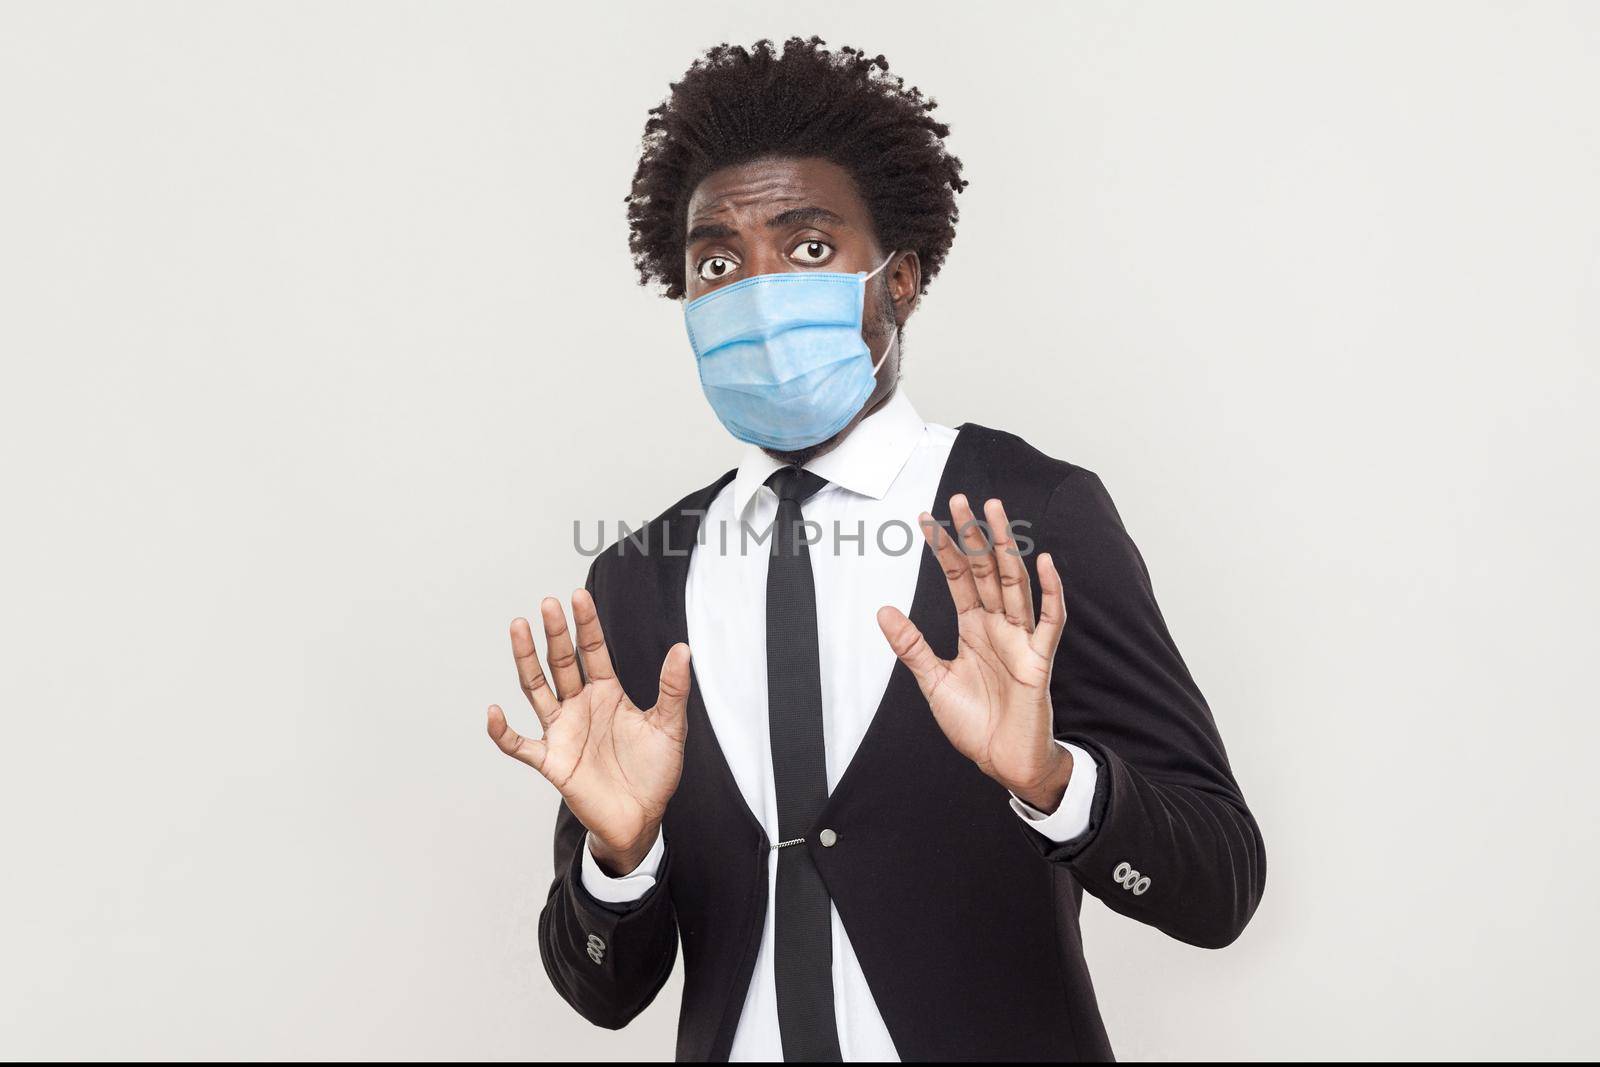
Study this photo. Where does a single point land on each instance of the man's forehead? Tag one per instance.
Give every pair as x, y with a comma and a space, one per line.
770, 187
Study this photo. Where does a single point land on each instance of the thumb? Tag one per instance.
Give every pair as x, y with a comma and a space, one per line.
672, 699
514, 744
911, 647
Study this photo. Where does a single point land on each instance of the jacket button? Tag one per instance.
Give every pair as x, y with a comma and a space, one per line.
828, 838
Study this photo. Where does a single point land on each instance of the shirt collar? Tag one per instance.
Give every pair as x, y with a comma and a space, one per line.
867, 461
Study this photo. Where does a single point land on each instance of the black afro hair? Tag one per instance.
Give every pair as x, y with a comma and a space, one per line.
736, 104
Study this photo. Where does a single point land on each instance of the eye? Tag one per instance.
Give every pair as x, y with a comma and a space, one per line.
811, 252
716, 268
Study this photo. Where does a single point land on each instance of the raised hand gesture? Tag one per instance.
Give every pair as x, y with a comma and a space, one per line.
615, 765
993, 699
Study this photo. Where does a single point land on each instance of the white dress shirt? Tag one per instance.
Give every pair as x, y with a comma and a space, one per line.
881, 477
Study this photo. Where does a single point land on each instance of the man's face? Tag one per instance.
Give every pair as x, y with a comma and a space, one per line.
774, 215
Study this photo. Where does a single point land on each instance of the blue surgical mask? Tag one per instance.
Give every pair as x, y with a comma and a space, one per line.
781, 356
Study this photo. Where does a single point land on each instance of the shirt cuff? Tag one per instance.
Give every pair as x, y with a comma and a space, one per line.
1071, 817
631, 886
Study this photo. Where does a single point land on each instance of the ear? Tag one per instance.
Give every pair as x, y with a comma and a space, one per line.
905, 284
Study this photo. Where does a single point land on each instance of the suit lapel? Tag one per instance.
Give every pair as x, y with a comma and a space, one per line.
704, 751
932, 611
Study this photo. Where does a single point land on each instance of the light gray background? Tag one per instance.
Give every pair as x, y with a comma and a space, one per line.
319, 330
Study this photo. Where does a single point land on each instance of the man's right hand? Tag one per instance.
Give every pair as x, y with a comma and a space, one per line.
616, 766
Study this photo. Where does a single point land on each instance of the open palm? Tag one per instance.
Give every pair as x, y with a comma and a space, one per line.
993, 700
615, 765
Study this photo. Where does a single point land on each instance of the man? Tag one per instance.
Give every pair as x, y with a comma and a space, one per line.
869, 810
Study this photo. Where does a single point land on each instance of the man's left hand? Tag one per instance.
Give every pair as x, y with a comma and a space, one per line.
993, 699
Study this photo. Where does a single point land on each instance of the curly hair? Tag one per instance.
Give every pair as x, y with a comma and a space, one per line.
736, 104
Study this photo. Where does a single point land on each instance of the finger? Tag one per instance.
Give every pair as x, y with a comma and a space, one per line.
591, 639
911, 648
534, 686
512, 743
558, 649
1052, 610
1016, 594
672, 699
953, 562
980, 556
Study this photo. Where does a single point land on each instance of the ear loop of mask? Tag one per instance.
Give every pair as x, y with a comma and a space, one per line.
896, 336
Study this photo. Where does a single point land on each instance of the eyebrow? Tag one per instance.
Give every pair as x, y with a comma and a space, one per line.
798, 215
711, 231
716, 231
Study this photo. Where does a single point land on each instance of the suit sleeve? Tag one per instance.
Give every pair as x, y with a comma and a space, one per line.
607, 960
1170, 840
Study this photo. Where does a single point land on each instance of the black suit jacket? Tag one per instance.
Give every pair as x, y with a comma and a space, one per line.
965, 921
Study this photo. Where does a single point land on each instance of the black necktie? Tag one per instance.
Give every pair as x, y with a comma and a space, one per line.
803, 938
